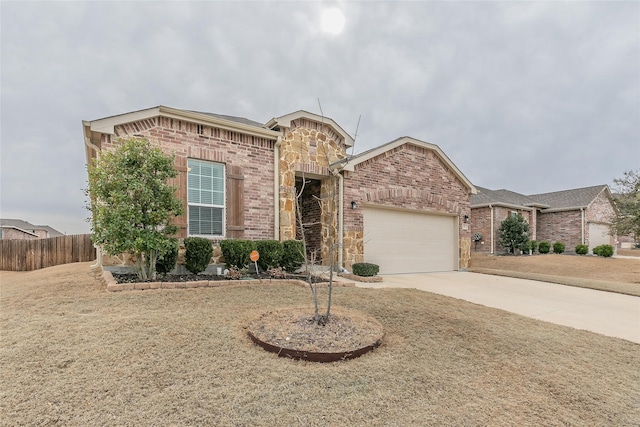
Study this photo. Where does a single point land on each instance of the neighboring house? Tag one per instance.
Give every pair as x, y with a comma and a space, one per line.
16, 229
403, 205
572, 217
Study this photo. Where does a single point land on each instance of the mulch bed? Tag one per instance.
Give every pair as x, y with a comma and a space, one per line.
133, 278
293, 333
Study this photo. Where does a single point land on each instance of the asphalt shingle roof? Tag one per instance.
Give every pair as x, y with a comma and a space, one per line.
241, 120
578, 197
575, 198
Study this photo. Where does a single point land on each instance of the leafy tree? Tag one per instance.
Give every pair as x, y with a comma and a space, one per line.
513, 233
132, 204
626, 193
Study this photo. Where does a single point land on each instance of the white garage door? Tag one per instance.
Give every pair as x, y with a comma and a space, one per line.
410, 242
599, 235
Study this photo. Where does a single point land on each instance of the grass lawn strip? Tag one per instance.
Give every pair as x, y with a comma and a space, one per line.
73, 354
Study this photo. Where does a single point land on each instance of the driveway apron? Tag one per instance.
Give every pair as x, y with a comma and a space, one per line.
605, 313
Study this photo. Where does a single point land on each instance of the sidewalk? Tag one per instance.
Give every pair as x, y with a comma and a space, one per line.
606, 313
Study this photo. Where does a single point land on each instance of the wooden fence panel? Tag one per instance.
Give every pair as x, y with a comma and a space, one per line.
27, 255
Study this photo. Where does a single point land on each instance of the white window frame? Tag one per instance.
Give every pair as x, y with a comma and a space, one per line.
223, 207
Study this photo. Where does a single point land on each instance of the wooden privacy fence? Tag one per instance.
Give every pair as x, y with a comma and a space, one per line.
26, 255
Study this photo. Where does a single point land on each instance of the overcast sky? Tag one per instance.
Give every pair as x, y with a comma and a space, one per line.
533, 97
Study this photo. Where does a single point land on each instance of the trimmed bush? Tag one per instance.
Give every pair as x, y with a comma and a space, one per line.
236, 252
198, 254
365, 269
582, 249
271, 252
534, 246
558, 248
526, 247
167, 262
293, 255
543, 247
603, 251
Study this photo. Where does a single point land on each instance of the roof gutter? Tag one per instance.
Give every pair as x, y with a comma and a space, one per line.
506, 205
492, 239
107, 125
572, 208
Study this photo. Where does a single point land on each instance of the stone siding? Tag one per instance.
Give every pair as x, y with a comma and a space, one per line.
307, 150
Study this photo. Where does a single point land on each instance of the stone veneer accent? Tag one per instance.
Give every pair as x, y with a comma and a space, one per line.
307, 149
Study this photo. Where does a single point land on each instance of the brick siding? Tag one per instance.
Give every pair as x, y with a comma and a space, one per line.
408, 176
191, 140
481, 223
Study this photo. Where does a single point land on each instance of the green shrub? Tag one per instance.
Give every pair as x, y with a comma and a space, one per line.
534, 246
603, 251
526, 247
582, 249
293, 255
543, 247
236, 252
271, 252
365, 269
198, 254
167, 262
558, 248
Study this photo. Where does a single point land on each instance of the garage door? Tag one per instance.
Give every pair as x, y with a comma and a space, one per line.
409, 241
599, 235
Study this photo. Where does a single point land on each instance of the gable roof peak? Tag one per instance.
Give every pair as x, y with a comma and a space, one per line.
369, 154
285, 121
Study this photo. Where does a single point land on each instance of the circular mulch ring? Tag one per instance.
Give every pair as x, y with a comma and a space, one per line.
292, 333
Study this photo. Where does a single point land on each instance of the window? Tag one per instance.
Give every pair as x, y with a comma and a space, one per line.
205, 198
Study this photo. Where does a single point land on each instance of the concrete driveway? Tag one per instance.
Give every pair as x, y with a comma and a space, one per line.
605, 313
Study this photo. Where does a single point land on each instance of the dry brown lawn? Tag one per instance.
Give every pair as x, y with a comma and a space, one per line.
620, 275
73, 354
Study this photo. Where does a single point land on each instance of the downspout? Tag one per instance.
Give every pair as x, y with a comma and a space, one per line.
340, 220
582, 227
88, 144
276, 188
492, 242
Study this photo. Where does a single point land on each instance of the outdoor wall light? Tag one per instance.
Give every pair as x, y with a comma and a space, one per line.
354, 205
466, 218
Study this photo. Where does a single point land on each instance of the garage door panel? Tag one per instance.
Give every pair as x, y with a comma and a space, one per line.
409, 242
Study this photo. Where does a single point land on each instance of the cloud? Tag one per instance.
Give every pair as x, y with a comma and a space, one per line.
529, 96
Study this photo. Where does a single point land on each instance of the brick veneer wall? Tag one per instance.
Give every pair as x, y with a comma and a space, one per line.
600, 210
408, 176
192, 140
481, 223
564, 227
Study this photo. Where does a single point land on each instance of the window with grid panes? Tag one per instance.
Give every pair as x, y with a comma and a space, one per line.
205, 198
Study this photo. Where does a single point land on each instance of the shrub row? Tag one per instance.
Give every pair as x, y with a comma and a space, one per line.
273, 253
558, 248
